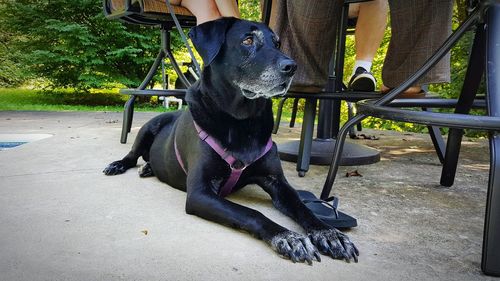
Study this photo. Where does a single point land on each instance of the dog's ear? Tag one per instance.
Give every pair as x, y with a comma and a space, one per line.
209, 37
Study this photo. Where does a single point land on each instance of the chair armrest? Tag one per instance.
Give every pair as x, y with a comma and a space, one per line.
114, 9
146, 12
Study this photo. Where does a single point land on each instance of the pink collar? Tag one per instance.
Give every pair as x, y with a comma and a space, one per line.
237, 166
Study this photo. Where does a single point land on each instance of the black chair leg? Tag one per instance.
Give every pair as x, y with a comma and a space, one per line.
278, 115
165, 51
350, 114
451, 157
304, 154
437, 140
337, 154
469, 89
128, 115
128, 112
294, 112
491, 243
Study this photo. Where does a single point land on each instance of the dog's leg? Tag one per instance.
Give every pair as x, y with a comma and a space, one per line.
327, 239
140, 148
206, 204
142, 143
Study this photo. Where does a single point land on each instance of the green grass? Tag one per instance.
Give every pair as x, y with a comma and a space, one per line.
99, 100
67, 100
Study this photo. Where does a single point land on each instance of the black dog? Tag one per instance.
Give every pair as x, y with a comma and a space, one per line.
222, 143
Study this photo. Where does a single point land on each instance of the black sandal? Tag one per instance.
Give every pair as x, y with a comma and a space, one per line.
326, 211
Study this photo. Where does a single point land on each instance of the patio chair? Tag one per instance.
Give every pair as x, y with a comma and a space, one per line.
484, 58
152, 13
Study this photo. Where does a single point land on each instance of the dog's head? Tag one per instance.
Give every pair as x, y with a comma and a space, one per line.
246, 55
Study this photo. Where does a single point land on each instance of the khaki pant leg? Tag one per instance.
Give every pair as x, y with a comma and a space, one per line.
419, 27
307, 30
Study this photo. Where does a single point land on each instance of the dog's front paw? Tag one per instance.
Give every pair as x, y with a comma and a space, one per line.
334, 243
295, 247
115, 168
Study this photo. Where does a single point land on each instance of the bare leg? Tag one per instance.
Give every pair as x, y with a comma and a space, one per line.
203, 10
207, 10
370, 27
228, 8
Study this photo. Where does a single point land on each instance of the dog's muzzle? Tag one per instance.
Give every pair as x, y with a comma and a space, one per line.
276, 91
275, 81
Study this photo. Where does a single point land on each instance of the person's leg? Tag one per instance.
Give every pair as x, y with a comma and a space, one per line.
203, 10
417, 31
307, 30
370, 28
228, 8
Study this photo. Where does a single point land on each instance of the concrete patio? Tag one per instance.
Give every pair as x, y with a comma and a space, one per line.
62, 219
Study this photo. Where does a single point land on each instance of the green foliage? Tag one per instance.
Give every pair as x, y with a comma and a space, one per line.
250, 9
71, 44
11, 70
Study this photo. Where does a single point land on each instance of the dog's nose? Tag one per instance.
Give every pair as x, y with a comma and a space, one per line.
287, 66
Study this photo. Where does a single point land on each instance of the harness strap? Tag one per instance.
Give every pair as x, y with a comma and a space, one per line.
178, 155
237, 166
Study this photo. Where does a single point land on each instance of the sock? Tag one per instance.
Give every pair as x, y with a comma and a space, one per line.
362, 63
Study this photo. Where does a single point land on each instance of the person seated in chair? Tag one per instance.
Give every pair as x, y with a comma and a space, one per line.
308, 29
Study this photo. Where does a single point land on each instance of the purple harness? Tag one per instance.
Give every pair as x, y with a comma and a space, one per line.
236, 165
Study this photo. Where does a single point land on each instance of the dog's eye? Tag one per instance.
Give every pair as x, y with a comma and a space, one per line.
277, 44
248, 41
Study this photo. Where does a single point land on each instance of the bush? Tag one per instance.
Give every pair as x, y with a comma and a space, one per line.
71, 44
